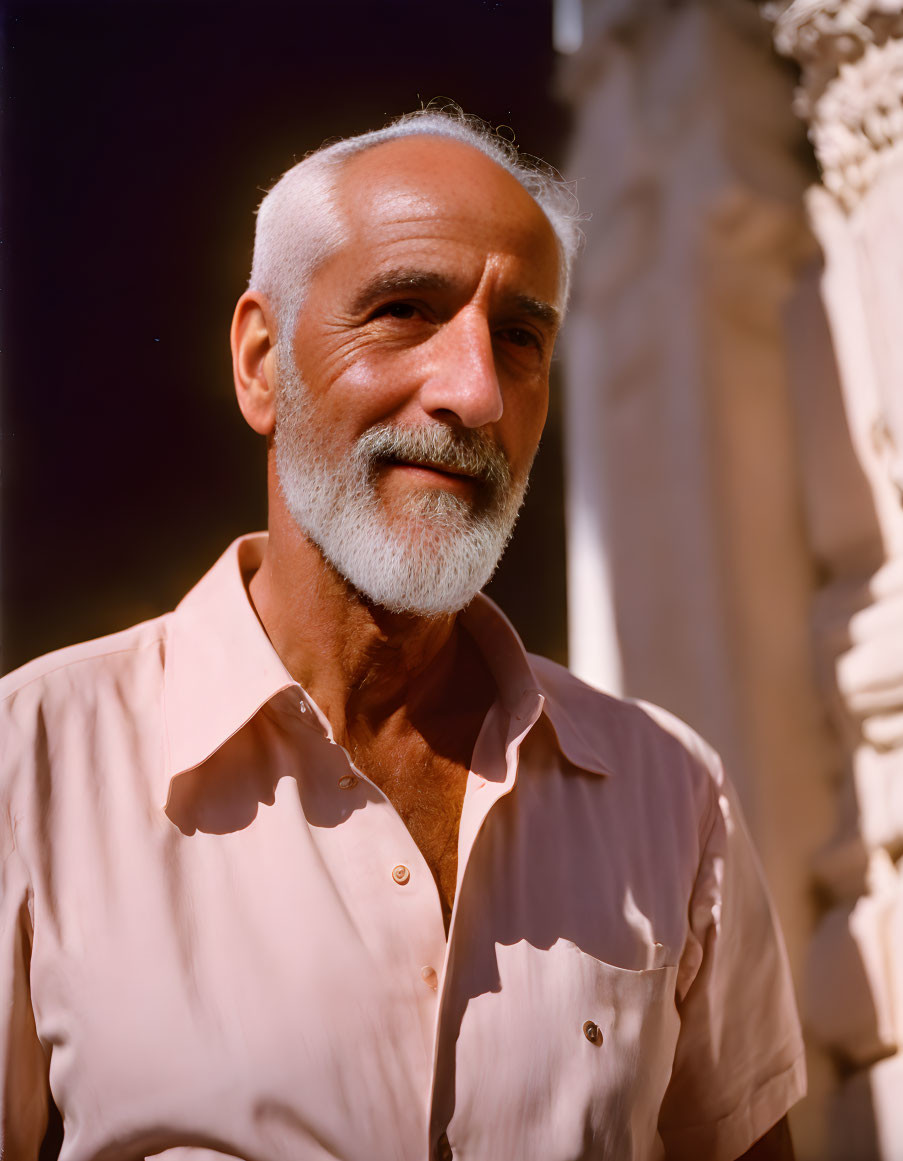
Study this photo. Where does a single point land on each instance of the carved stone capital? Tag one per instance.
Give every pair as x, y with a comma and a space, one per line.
832, 30
851, 93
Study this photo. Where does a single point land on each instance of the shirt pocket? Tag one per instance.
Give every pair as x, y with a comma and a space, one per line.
582, 1054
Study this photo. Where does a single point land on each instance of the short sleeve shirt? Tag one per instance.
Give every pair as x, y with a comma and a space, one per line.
218, 938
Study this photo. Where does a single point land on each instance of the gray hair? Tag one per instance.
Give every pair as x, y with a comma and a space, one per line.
297, 227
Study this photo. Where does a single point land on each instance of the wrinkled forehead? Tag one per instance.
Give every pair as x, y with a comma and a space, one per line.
425, 181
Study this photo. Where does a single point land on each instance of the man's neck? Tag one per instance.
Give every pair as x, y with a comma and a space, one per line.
361, 664
406, 696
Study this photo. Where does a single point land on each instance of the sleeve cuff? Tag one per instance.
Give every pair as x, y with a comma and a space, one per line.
729, 1138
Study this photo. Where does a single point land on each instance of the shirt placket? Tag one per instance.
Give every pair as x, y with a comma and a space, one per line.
407, 876
480, 797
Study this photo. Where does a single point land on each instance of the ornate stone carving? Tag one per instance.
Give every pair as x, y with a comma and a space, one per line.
850, 54
819, 32
851, 93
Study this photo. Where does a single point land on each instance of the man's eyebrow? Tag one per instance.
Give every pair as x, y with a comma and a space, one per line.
397, 282
543, 312
409, 281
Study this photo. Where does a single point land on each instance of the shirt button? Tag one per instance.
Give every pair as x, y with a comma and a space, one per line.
348, 782
443, 1149
401, 874
592, 1032
429, 977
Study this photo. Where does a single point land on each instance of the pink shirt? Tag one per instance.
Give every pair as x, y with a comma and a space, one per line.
221, 940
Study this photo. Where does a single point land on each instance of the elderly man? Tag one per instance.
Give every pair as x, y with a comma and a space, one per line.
322, 864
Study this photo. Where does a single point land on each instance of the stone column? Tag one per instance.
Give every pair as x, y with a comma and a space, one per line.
850, 53
691, 577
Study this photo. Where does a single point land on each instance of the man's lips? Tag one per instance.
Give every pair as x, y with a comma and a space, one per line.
436, 469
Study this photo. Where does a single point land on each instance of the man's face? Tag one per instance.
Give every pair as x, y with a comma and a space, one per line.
414, 390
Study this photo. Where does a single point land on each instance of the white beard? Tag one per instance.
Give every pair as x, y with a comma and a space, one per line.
436, 554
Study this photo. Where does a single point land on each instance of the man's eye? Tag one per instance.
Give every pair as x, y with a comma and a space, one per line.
519, 337
402, 310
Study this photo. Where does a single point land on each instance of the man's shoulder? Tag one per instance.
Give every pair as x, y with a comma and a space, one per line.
58, 712
622, 734
79, 669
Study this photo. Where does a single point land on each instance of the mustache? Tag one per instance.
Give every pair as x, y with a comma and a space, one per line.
468, 452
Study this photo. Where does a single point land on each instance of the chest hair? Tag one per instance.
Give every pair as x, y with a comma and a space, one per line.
426, 788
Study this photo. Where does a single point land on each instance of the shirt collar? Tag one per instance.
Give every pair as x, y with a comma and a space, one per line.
576, 712
220, 667
221, 670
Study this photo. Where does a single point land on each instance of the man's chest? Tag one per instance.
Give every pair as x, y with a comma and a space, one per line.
426, 790
268, 969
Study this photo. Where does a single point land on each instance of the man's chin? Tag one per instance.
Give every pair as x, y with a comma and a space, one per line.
406, 608
415, 575
429, 562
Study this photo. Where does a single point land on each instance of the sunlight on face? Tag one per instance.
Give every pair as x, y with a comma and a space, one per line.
434, 554
414, 388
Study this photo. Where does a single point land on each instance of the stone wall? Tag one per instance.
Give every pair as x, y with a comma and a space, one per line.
735, 464
851, 97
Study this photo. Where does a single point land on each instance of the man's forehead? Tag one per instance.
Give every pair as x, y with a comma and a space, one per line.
413, 195
429, 170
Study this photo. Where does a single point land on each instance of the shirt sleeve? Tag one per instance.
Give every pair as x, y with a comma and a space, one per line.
23, 1065
739, 1062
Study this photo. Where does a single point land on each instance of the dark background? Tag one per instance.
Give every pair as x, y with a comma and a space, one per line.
137, 141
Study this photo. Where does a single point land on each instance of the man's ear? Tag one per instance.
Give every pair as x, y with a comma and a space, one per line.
253, 339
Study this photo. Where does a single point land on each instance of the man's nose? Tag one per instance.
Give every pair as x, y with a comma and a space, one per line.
461, 376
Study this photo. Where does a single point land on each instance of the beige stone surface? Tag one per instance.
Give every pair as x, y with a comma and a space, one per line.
691, 576
866, 1122
851, 95
850, 1002
735, 439
735, 465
